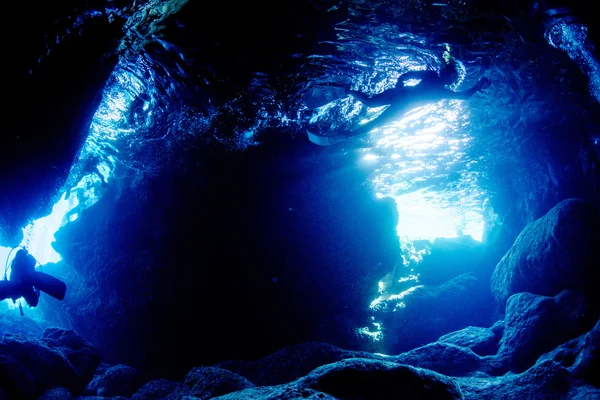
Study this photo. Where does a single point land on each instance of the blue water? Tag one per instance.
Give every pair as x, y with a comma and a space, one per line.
441, 163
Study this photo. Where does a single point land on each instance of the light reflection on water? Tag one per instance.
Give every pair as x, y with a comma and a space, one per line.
422, 164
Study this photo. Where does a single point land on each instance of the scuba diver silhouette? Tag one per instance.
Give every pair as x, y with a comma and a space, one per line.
26, 282
402, 99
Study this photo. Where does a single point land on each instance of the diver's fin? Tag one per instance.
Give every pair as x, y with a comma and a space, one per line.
326, 140
49, 284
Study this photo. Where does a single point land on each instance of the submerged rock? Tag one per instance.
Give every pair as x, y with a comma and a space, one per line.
584, 392
60, 393
444, 358
537, 324
30, 367
291, 362
286, 392
544, 381
375, 379
80, 353
581, 356
209, 382
482, 341
556, 252
161, 389
360, 378
119, 380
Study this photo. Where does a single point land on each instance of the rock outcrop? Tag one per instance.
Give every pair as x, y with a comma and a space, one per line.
556, 252
60, 358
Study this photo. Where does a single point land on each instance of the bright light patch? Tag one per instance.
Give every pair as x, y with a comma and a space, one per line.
4, 252
400, 297
39, 235
375, 333
412, 82
424, 167
425, 215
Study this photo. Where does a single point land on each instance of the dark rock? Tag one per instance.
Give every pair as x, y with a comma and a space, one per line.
498, 328
290, 363
482, 341
375, 379
209, 382
60, 393
464, 301
80, 353
282, 392
451, 257
119, 380
585, 392
537, 324
29, 367
102, 367
100, 398
17, 380
546, 380
161, 389
556, 252
581, 356
443, 358
92, 386
587, 363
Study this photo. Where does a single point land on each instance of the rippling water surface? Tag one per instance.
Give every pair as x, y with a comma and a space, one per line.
430, 161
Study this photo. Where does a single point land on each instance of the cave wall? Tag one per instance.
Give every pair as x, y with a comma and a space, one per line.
58, 60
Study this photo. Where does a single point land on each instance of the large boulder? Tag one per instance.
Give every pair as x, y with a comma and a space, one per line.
118, 380
482, 341
30, 367
556, 252
209, 382
537, 324
160, 389
80, 353
545, 381
444, 358
359, 378
290, 363
287, 392
59, 393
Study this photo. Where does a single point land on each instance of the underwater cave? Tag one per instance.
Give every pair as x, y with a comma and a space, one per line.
322, 199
